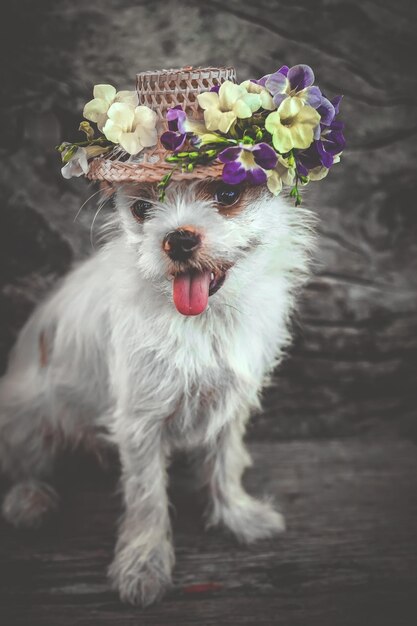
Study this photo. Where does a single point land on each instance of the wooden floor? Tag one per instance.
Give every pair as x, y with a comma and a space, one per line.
349, 556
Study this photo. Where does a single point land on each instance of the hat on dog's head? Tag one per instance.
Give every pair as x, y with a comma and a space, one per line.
279, 130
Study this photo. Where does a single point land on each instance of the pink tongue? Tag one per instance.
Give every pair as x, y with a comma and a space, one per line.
191, 291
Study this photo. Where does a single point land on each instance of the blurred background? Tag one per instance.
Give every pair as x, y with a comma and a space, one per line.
353, 365
335, 442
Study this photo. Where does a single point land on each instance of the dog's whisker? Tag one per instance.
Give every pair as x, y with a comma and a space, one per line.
86, 202
93, 222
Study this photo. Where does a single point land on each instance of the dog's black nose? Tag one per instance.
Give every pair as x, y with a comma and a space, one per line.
180, 244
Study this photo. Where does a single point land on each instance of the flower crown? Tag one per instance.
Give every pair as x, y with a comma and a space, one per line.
280, 130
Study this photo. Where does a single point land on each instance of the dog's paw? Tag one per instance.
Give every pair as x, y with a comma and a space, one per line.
29, 503
248, 519
140, 581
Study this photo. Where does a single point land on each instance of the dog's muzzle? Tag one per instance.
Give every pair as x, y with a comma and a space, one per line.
191, 286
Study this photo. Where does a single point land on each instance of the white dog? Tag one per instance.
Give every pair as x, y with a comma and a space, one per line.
164, 338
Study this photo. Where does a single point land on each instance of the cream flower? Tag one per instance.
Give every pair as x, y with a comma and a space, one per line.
283, 174
132, 128
266, 99
222, 109
292, 125
104, 96
318, 173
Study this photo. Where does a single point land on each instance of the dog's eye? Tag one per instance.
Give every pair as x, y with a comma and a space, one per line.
226, 195
141, 209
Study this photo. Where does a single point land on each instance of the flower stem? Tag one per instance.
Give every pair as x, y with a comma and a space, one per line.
295, 192
163, 184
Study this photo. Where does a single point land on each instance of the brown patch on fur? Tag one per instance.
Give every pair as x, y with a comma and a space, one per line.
93, 442
53, 436
141, 191
43, 350
207, 397
107, 189
248, 194
189, 228
88, 438
170, 417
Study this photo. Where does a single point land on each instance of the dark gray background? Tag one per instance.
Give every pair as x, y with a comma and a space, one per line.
354, 362
349, 556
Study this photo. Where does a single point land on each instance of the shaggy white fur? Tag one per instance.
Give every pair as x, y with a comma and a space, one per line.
109, 350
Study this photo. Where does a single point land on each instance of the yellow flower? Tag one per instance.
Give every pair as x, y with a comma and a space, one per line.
104, 96
292, 125
132, 128
222, 109
283, 174
266, 99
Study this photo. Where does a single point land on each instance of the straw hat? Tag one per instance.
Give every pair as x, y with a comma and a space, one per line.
160, 91
279, 130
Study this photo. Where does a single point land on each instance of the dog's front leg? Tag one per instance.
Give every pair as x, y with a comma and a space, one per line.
144, 556
225, 460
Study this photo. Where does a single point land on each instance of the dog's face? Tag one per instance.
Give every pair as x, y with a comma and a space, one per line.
187, 245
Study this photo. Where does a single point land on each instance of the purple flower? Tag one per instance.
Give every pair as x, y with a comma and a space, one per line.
176, 118
323, 151
262, 81
336, 103
329, 139
294, 82
173, 141
247, 162
327, 110
174, 138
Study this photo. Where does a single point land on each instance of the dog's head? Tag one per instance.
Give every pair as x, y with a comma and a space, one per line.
203, 237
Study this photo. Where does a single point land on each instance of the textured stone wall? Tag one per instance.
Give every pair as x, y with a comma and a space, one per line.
354, 362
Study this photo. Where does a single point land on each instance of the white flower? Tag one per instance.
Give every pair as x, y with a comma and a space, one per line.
104, 96
266, 99
222, 109
77, 165
283, 174
132, 128
78, 162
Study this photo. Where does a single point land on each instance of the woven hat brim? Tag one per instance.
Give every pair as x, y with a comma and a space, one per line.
102, 169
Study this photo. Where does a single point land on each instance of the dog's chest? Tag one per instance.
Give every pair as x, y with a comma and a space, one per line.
199, 404
213, 381
195, 375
